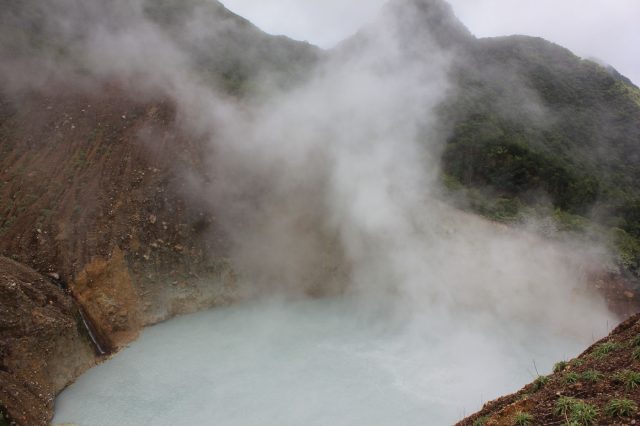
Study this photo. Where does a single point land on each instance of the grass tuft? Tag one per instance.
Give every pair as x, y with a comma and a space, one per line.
629, 378
571, 378
583, 413
636, 340
605, 349
636, 354
560, 366
621, 408
563, 406
481, 421
576, 412
523, 419
591, 376
577, 362
540, 382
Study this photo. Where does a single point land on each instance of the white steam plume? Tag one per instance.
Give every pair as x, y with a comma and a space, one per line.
330, 187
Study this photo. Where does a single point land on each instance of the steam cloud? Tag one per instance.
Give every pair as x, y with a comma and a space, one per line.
332, 186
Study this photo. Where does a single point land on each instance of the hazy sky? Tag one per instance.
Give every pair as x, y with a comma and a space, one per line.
605, 29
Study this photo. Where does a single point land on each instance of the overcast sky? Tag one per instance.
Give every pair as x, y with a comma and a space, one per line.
605, 29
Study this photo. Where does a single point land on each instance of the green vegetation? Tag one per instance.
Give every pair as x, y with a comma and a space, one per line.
629, 378
583, 413
621, 408
523, 419
587, 376
481, 421
536, 128
575, 411
80, 159
246, 54
560, 366
540, 382
628, 250
563, 406
571, 378
636, 354
577, 362
605, 349
3, 420
591, 376
636, 341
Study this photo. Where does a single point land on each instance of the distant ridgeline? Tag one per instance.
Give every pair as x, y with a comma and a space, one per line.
222, 47
532, 129
535, 130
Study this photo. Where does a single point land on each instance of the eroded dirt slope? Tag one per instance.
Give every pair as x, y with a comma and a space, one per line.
90, 191
43, 344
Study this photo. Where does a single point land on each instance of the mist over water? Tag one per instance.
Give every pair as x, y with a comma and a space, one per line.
322, 362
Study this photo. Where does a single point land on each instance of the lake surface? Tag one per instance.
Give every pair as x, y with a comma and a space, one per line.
314, 362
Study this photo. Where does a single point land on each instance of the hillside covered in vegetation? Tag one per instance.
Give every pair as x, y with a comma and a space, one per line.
540, 132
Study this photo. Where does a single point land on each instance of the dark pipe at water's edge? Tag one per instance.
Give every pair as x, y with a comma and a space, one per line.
100, 347
93, 335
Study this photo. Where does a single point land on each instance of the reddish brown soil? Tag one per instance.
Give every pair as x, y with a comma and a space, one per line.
91, 197
85, 175
43, 345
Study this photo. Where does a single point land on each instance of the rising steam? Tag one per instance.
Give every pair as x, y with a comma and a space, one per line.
331, 186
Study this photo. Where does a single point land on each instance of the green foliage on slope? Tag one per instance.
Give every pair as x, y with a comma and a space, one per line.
534, 126
215, 45
229, 49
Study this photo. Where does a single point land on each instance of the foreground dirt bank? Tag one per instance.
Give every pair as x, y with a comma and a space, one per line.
600, 387
43, 344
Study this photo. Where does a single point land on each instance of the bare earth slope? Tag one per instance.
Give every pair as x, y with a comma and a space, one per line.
43, 344
86, 202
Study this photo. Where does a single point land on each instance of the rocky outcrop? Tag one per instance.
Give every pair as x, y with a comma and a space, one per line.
43, 344
96, 194
105, 291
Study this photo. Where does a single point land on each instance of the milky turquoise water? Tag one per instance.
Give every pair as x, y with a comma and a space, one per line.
322, 362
